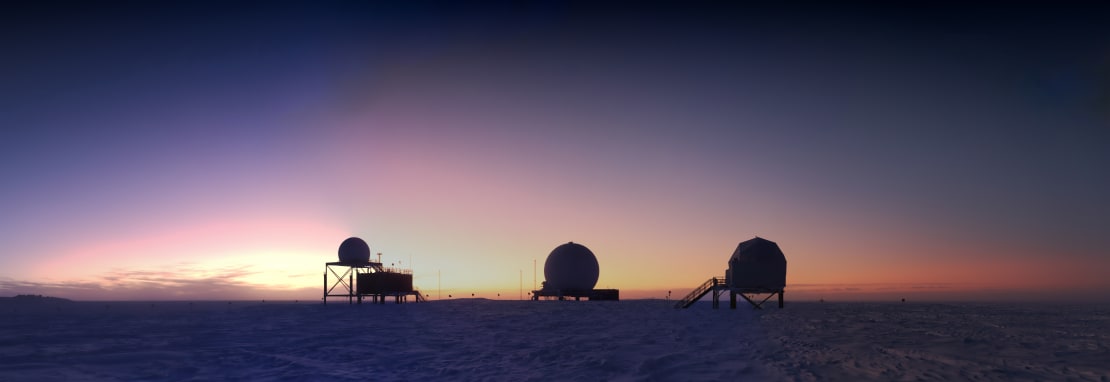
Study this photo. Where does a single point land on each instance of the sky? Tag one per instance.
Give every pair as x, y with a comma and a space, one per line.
223, 150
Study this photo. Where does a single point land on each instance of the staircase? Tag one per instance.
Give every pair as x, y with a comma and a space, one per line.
419, 296
698, 292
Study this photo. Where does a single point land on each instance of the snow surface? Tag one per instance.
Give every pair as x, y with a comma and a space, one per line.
551, 340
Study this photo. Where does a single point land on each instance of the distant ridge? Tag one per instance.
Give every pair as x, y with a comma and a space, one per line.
31, 299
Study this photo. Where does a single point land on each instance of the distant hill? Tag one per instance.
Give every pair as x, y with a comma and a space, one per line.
30, 299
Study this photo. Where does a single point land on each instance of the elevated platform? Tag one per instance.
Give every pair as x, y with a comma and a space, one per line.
578, 294
368, 280
717, 286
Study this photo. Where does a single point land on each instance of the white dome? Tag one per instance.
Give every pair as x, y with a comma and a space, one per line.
354, 250
571, 266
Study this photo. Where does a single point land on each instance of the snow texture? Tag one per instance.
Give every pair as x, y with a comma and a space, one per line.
550, 340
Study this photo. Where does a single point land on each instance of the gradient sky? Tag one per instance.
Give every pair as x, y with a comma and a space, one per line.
196, 150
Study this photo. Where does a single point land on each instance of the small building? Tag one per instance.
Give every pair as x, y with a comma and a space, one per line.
362, 277
572, 270
385, 283
756, 272
757, 264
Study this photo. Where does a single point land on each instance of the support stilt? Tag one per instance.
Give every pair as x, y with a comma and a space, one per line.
718, 288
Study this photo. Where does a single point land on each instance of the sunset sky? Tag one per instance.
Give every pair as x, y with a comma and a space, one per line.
195, 150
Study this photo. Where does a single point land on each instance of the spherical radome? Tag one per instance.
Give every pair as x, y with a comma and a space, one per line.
571, 266
354, 250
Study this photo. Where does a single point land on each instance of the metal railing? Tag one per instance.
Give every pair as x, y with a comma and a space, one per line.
700, 291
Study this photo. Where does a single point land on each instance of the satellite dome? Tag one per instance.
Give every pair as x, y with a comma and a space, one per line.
354, 250
571, 266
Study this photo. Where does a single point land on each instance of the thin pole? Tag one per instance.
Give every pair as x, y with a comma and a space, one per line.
533, 274
521, 284
439, 286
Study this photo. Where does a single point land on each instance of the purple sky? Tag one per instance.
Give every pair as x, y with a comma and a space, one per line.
204, 149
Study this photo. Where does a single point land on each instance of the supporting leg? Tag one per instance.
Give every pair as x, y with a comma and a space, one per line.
731, 299
780, 299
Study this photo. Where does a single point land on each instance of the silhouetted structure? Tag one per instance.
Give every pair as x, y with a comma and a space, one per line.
384, 282
572, 270
362, 277
757, 267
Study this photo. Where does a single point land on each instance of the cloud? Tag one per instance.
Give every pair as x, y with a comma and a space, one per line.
184, 281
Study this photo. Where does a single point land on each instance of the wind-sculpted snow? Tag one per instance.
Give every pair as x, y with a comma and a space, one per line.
446, 340
950, 342
549, 340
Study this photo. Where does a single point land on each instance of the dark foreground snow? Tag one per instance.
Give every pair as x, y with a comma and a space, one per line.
548, 340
